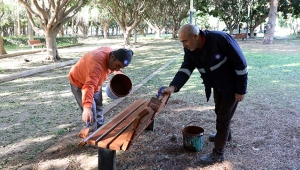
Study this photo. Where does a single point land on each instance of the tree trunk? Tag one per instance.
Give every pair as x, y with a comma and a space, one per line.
126, 37
175, 30
16, 28
105, 30
97, 31
252, 33
173, 33
52, 53
2, 50
84, 29
73, 28
62, 31
158, 33
269, 35
135, 35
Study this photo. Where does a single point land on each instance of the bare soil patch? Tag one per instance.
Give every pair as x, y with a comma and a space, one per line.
40, 125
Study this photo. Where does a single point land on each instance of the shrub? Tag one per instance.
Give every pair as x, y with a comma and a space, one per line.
22, 41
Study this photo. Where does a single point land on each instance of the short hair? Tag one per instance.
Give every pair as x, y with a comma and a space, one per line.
193, 30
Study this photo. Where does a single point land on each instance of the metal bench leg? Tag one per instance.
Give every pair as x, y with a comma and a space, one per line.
106, 159
151, 126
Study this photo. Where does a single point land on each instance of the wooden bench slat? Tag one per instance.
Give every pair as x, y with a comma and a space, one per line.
36, 42
135, 133
123, 129
113, 141
164, 99
145, 121
135, 124
140, 116
237, 36
105, 141
120, 141
128, 138
126, 130
91, 139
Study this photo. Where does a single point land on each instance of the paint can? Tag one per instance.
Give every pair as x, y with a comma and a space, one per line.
119, 86
193, 138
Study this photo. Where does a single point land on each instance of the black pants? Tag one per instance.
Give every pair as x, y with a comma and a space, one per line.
224, 110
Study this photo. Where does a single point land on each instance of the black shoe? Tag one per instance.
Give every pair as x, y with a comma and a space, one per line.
211, 158
212, 137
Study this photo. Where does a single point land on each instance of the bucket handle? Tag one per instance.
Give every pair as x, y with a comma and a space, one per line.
190, 123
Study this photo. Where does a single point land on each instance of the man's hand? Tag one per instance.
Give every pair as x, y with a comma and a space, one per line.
87, 115
168, 90
239, 97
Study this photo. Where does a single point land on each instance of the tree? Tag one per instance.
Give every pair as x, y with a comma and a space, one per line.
270, 27
127, 13
232, 12
3, 20
51, 16
156, 17
178, 10
82, 20
258, 14
104, 18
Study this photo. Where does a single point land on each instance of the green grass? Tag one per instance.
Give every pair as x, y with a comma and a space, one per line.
13, 47
42, 106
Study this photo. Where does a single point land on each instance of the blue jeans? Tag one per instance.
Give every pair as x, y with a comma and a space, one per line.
97, 106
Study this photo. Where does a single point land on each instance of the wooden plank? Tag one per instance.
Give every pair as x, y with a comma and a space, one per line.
108, 126
125, 137
126, 143
154, 103
119, 143
144, 123
140, 116
113, 136
125, 127
164, 99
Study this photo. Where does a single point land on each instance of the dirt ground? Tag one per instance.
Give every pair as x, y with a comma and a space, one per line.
265, 128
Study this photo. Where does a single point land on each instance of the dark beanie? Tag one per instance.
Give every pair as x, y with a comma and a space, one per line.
123, 55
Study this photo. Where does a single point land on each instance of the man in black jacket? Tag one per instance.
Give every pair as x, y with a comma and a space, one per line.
223, 68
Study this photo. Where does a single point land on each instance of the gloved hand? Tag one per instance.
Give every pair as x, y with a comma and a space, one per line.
160, 91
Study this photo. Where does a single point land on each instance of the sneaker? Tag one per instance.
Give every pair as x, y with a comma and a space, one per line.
211, 158
212, 137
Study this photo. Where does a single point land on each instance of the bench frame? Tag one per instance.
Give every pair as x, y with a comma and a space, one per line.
120, 132
239, 36
107, 157
36, 42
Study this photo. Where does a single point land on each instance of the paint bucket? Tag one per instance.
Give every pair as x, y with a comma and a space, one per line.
119, 86
193, 138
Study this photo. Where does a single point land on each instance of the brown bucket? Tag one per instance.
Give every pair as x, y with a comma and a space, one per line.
119, 86
193, 138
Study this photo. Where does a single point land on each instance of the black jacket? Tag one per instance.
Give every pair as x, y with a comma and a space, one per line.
221, 64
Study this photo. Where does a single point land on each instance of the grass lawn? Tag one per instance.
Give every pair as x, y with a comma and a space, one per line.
39, 110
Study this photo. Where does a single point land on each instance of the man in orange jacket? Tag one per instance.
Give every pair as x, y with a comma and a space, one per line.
87, 76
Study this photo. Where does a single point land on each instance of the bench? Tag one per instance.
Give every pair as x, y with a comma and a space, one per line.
239, 36
34, 43
120, 132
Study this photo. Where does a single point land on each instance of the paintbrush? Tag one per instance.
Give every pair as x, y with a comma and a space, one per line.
85, 131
